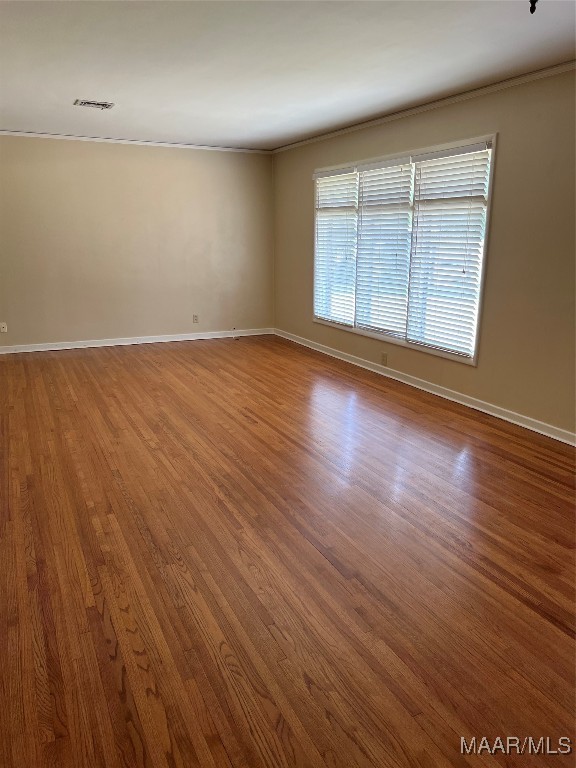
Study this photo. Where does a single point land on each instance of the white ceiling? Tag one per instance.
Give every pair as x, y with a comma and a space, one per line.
258, 74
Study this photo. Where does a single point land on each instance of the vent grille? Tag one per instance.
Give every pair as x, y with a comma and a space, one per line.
93, 104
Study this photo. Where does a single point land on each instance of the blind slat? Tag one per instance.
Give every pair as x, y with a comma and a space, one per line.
335, 251
447, 251
384, 248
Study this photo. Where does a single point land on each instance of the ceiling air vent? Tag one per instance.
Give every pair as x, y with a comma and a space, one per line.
93, 104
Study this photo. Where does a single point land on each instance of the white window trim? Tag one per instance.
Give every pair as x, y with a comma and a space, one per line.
377, 162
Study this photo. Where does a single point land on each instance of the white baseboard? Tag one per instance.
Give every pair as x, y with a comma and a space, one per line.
449, 394
494, 410
53, 346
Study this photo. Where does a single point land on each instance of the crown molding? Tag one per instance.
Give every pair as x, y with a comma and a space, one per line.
136, 142
558, 69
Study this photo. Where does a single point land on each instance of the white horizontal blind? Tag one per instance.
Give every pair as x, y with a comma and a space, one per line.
335, 252
383, 260
399, 246
450, 201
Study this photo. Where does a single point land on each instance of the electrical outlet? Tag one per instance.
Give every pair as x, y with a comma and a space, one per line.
3, 327
194, 318
384, 359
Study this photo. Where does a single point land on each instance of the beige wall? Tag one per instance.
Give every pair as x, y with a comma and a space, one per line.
527, 346
109, 240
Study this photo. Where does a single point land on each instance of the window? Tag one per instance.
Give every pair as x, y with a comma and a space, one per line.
400, 247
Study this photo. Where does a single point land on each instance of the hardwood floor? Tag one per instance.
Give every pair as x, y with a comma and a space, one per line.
243, 553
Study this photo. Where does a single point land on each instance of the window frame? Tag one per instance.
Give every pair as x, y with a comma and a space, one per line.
383, 336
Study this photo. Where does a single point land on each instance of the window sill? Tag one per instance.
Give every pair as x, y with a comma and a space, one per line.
389, 339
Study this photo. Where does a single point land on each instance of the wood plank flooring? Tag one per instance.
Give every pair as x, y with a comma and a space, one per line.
241, 553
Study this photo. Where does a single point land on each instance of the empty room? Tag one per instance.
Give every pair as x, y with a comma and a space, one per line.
287, 384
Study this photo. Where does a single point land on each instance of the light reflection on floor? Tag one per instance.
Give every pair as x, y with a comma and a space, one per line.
345, 420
